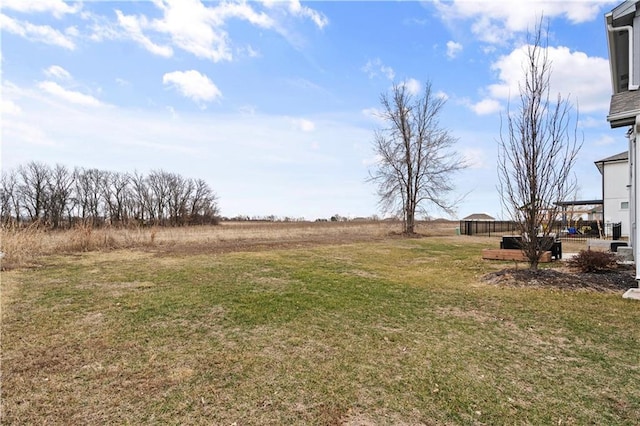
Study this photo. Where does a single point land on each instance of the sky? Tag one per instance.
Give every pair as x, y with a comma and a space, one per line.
273, 103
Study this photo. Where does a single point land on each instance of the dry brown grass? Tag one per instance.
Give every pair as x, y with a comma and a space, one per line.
23, 246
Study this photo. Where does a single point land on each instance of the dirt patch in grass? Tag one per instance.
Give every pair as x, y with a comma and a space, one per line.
266, 244
616, 280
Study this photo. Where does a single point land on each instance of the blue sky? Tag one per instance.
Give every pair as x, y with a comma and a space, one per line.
273, 103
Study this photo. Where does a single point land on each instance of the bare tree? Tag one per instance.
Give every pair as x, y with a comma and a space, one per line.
9, 201
38, 193
537, 151
416, 162
60, 182
33, 189
179, 192
159, 182
141, 198
89, 195
203, 203
115, 192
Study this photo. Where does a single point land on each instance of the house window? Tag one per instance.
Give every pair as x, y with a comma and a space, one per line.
624, 205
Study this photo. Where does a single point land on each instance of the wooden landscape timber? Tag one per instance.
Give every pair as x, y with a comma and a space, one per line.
512, 254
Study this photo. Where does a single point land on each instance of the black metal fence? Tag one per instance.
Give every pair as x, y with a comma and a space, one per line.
488, 228
580, 230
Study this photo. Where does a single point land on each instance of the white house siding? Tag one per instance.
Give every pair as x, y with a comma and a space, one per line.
616, 192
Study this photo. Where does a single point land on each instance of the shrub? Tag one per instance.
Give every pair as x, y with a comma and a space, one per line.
593, 261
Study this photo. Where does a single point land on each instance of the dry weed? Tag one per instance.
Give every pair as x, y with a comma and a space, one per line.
23, 245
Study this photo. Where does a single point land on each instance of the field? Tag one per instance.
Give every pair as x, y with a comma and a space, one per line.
328, 323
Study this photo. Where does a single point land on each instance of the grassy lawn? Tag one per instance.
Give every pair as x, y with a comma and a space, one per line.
398, 331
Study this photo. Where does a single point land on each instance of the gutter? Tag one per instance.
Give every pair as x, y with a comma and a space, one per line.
626, 114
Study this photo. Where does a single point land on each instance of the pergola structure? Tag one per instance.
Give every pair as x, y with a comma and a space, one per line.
565, 204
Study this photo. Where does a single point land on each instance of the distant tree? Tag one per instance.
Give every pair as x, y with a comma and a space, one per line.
57, 197
33, 189
89, 194
60, 183
537, 151
158, 182
416, 161
116, 192
203, 203
142, 203
9, 201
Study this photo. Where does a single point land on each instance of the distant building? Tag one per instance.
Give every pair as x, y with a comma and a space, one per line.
615, 189
479, 216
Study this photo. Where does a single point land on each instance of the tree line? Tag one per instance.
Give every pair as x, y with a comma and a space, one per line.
60, 197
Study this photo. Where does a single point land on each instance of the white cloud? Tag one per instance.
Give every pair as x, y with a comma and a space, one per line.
72, 31
583, 78
196, 28
133, 28
485, 107
412, 85
375, 66
590, 122
305, 125
192, 27
191, 84
498, 21
375, 115
250, 52
58, 72
9, 107
27, 133
370, 161
474, 158
453, 49
442, 95
247, 110
297, 9
40, 33
68, 95
56, 7
173, 113
605, 140
199, 28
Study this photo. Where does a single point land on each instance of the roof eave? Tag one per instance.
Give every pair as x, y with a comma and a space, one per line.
627, 118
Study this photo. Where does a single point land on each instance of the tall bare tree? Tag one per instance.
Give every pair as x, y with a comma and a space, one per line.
115, 192
416, 161
33, 189
537, 151
60, 183
89, 196
9, 200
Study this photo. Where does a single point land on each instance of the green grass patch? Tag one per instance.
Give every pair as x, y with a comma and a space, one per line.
392, 332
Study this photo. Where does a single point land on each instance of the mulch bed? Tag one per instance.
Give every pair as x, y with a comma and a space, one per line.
619, 279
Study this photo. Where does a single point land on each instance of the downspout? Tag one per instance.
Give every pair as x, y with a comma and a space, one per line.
631, 187
634, 192
629, 29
